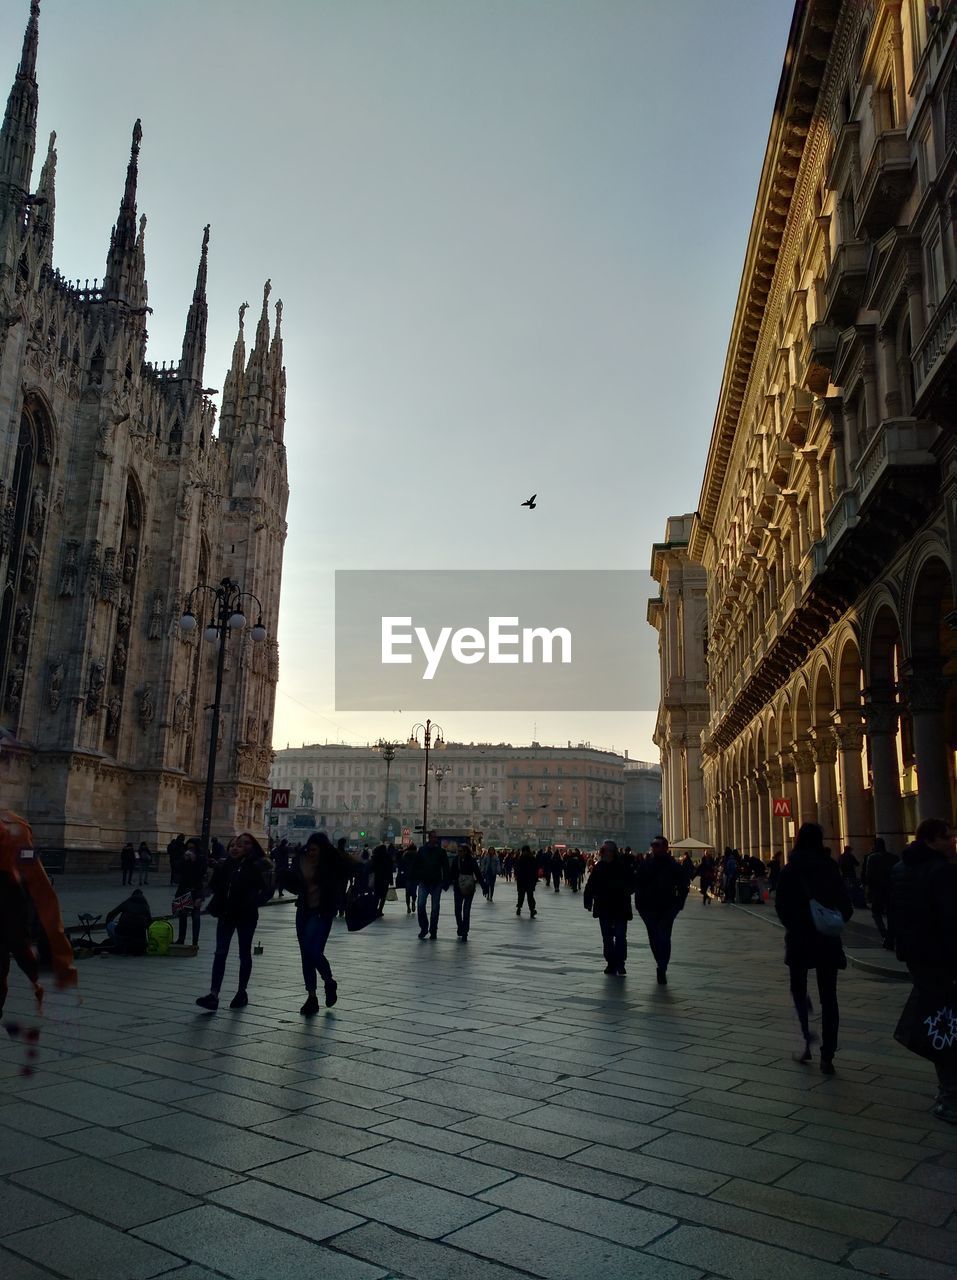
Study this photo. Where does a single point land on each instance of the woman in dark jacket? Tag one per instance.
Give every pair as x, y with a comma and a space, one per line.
191, 879
810, 873
465, 874
608, 896
318, 876
240, 883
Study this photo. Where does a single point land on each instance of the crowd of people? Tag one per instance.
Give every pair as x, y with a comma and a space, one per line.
913, 901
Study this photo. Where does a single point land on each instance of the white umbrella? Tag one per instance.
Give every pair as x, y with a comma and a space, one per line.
689, 842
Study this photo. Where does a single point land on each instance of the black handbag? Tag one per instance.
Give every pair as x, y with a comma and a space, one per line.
361, 909
928, 1025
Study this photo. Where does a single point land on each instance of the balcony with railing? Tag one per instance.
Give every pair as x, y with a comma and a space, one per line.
898, 445
935, 350
844, 283
885, 183
796, 412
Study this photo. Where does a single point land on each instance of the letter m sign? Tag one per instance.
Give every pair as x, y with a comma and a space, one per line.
280, 799
782, 807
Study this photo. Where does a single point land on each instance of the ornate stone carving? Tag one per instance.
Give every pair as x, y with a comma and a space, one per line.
272, 659
38, 510
108, 576
181, 714
881, 717
155, 627
147, 708
849, 737
803, 756
825, 747
95, 686
925, 691
129, 564
7, 511
123, 612
55, 675
69, 569
252, 729
21, 630
113, 711
14, 688
93, 569
119, 660
57, 505
28, 567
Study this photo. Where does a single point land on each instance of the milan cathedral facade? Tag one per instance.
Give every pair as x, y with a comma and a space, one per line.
116, 499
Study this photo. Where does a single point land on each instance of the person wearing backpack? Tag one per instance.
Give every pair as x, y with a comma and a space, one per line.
241, 883
923, 919
465, 874
812, 895
431, 874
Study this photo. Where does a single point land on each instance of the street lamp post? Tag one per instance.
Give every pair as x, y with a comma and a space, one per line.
227, 615
387, 751
427, 729
438, 774
473, 789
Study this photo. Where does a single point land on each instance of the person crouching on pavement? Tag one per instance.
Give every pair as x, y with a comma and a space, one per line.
661, 889
608, 897
240, 884
318, 876
127, 925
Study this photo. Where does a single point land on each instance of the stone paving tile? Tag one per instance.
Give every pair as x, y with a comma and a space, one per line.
755, 1105
436, 1168
509, 1134
745, 1222
352, 1095
82, 1249
20, 1209
97, 1105
38, 1122
837, 1155
561, 1254
811, 1210
866, 1192
420, 1259
937, 1243
15, 1268
242, 1112
95, 1141
165, 1089
98, 1189
238, 1246
720, 1157
414, 1206
320, 1135
343, 1113
899, 1266
425, 1135
856, 1124
548, 1169
824, 1132
223, 1144
195, 1177
481, 1101
318, 1175
518, 1086
22, 1151
640, 1113
588, 1126
641, 1168
282, 1208
741, 1259
606, 1219
711, 1126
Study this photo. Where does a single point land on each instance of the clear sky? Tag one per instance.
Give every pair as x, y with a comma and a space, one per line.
508, 235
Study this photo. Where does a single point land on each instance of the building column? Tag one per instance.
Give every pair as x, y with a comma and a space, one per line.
737, 826
925, 691
886, 342
880, 726
825, 757
871, 407
835, 410
852, 801
802, 754
697, 814
774, 775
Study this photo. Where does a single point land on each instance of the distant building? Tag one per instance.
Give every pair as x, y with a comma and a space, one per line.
642, 803
532, 795
680, 616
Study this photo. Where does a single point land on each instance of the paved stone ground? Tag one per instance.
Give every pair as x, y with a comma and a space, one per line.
482, 1111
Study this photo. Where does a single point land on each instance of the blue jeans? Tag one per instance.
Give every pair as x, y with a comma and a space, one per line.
659, 936
463, 909
490, 886
313, 930
429, 924
614, 937
224, 936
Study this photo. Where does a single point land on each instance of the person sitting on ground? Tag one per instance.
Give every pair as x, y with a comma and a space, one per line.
127, 925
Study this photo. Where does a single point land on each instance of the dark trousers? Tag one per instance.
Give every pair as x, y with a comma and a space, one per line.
490, 886
463, 909
224, 936
128, 876
827, 994
524, 893
196, 914
26, 958
410, 895
312, 930
879, 916
380, 890
614, 937
659, 936
429, 923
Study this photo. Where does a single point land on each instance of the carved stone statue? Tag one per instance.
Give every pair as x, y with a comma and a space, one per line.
21, 629
119, 660
123, 613
38, 508
93, 569
307, 796
14, 688
6, 519
94, 688
69, 570
129, 564
147, 707
155, 629
181, 714
252, 734
108, 582
55, 685
113, 717
28, 567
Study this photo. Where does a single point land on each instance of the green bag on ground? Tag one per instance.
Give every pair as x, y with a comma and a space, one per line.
159, 938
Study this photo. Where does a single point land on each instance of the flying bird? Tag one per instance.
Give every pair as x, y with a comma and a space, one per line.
530, 502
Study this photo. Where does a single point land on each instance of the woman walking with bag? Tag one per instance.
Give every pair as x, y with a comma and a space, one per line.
241, 883
608, 897
191, 881
813, 904
318, 876
465, 874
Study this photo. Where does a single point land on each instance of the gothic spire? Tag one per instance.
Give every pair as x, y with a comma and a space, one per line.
278, 377
194, 340
125, 279
233, 386
18, 134
256, 387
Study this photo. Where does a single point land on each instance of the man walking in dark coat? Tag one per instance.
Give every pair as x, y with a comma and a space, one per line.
608, 897
876, 877
526, 878
660, 893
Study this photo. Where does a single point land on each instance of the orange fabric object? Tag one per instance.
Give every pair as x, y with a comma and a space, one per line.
15, 835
